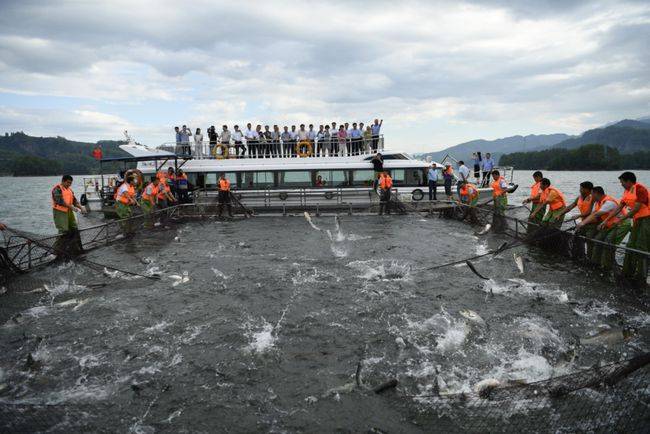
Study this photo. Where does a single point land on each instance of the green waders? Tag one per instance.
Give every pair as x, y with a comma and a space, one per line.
604, 256
69, 242
589, 231
147, 208
536, 221
124, 212
500, 206
554, 218
635, 267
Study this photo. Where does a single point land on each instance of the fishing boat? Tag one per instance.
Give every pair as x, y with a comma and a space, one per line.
280, 182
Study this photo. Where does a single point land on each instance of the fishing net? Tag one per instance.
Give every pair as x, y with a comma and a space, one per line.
610, 398
559, 240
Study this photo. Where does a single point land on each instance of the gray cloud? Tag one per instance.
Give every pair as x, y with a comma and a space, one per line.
412, 61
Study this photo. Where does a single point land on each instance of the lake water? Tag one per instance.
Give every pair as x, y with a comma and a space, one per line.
266, 330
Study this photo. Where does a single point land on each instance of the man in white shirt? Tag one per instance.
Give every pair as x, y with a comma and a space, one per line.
251, 140
294, 140
237, 137
463, 175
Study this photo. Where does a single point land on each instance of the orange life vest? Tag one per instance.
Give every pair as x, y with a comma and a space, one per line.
534, 191
385, 182
150, 192
584, 205
558, 199
629, 198
224, 185
469, 190
163, 188
603, 217
125, 193
497, 190
66, 194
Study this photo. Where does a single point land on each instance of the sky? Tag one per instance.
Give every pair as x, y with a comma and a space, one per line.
437, 72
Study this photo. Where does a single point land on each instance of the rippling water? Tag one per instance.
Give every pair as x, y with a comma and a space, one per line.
258, 325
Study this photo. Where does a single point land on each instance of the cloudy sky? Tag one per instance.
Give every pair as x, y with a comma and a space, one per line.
438, 73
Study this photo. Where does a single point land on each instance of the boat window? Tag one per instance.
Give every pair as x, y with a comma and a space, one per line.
333, 178
398, 176
256, 180
413, 176
212, 179
363, 178
293, 179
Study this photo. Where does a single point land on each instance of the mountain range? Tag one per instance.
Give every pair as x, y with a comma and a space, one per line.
627, 136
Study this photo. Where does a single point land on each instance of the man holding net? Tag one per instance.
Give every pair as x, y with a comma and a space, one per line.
64, 205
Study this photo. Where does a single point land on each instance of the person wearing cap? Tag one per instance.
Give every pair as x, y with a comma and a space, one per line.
433, 176
448, 176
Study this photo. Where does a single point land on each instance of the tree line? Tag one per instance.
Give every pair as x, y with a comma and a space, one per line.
586, 157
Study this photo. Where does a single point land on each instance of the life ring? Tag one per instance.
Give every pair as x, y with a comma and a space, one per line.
139, 177
309, 148
329, 195
283, 196
417, 195
224, 151
83, 200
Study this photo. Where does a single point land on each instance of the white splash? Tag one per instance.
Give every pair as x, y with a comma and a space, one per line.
514, 287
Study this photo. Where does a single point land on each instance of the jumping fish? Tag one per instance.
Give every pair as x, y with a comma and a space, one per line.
3, 290
473, 317
609, 337
471, 267
346, 388
485, 230
484, 387
519, 261
70, 302
311, 223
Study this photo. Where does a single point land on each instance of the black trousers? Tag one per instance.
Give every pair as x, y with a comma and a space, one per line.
238, 146
433, 186
224, 199
375, 143
384, 202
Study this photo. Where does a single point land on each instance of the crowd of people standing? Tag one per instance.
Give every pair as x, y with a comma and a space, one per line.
265, 142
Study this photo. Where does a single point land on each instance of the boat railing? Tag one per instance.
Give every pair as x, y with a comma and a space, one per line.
334, 147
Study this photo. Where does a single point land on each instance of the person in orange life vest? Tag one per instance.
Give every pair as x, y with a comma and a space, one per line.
149, 200
385, 185
64, 205
554, 199
584, 202
468, 194
182, 187
224, 195
170, 178
613, 232
534, 199
97, 153
499, 187
636, 200
125, 198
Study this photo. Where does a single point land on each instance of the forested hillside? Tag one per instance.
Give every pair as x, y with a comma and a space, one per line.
24, 155
587, 157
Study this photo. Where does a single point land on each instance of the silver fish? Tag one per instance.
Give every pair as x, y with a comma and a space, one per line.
519, 261
311, 223
472, 316
609, 337
485, 230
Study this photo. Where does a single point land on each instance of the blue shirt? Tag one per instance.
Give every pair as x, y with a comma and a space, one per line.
433, 175
375, 129
355, 134
488, 164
